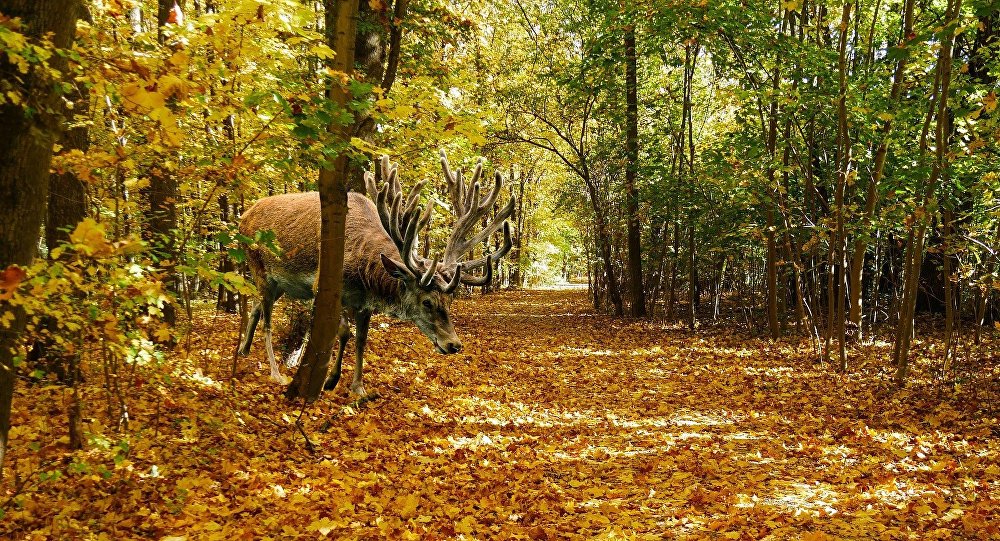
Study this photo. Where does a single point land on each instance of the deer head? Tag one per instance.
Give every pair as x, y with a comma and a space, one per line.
427, 287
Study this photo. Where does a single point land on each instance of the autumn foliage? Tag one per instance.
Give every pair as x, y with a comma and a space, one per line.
795, 201
557, 422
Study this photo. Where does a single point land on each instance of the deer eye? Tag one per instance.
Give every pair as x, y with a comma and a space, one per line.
427, 304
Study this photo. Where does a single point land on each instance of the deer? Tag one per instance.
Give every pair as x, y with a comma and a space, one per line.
382, 271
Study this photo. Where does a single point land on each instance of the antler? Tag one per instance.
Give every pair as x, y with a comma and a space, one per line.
402, 219
470, 207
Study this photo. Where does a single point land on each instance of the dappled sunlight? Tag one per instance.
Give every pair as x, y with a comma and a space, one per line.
802, 497
540, 429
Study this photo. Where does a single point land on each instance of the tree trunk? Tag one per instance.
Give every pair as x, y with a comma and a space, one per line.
377, 64
636, 291
915, 246
871, 198
25, 155
226, 299
947, 224
341, 29
773, 322
843, 170
162, 216
67, 206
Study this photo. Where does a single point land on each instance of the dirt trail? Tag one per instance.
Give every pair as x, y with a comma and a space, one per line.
554, 422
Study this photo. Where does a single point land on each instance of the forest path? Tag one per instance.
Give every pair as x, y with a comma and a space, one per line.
554, 422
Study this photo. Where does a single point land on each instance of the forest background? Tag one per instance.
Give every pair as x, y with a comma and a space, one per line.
816, 172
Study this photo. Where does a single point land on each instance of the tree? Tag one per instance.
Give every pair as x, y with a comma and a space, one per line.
25, 154
636, 286
309, 378
163, 187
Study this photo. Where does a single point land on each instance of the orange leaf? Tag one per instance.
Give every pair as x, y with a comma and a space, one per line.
10, 278
176, 16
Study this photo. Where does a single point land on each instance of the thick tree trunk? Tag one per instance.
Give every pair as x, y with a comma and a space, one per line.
25, 155
341, 29
377, 62
636, 291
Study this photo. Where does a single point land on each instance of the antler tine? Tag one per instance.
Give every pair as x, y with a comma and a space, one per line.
428, 277
495, 256
479, 280
394, 214
425, 218
472, 198
454, 180
406, 250
414, 196
394, 179
386, 167
500, 220
370, 184
478, 171
449, 287
381, 202
494, 193
446, 167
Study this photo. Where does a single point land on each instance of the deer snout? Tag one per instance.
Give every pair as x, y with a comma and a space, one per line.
451, 347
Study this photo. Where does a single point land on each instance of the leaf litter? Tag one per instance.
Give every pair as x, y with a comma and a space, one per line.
553, 423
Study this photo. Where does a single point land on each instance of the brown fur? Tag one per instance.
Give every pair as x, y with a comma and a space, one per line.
295, 220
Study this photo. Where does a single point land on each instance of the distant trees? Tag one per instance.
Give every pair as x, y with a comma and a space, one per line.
813, 162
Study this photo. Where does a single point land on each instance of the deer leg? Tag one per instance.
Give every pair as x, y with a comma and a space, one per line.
271, 295
251, 327
361, 320
295, 358
344, 334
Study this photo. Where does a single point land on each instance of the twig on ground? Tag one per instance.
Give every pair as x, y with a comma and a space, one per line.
310, 446
356, 405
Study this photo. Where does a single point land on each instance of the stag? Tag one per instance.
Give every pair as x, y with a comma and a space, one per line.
382, 271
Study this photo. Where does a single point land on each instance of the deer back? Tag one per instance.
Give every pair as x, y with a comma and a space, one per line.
295, 221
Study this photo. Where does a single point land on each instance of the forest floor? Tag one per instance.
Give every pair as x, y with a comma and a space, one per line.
554, 422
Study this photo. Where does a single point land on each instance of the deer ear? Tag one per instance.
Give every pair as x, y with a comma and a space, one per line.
394, 269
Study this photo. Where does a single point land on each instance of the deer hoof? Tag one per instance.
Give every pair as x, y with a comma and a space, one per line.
358, 388
279, 379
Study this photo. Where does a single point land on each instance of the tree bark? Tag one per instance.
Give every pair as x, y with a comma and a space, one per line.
25, 156
843, 170
341, 29
377, 64
636, 290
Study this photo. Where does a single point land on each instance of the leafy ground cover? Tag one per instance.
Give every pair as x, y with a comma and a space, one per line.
554, 422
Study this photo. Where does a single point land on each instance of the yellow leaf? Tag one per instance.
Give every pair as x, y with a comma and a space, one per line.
990, 102
162, 333
137, 98
323, 51
467, 525
172, 86
324, 525
408, 505
89, 238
